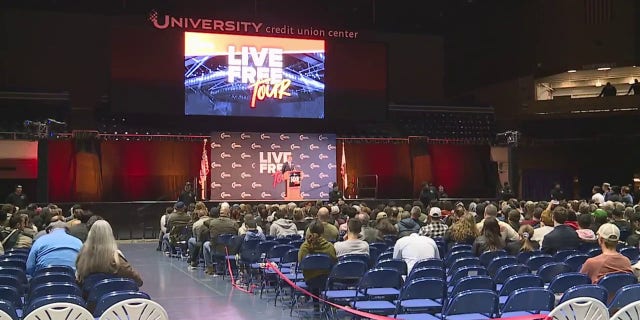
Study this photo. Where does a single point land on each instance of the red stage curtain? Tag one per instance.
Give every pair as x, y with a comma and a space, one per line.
61, 171
148, 170
391, 162
463, 170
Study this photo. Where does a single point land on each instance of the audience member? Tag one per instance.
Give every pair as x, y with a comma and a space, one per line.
435, 229
330, 232
506, 231
633, 239
584, 224
243, 228
282, 226
54, 248
490, 238
353, 244
407, 225
562, 237
597, 196
525, 244
13, 235
513, 219
610, 260
316, 243
462, 231
600, 217
218, 226
414, 248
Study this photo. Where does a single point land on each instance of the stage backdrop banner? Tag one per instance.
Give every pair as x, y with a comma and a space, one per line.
246, 165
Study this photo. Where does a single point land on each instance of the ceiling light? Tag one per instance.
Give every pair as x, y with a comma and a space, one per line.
604, 69
572, 71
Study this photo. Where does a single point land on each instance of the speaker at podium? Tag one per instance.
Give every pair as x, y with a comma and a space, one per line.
293, 181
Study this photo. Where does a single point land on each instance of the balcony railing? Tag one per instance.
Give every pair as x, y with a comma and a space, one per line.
605, 106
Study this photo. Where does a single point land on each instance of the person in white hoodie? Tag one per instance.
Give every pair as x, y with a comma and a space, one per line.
282, 226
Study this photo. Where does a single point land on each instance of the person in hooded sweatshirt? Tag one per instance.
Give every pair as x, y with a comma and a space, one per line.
315, 243
407, 225
282, 227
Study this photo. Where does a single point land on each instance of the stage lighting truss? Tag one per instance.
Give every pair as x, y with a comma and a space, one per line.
44, 130
508, 138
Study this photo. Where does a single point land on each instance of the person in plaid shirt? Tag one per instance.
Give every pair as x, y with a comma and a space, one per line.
435, 229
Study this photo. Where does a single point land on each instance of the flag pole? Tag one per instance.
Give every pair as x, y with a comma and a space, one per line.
204, 170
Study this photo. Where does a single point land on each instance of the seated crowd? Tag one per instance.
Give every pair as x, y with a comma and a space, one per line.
42, 239
417, 232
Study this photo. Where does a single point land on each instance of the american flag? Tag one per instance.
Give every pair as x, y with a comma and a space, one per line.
204, 170
343, 169
597, 11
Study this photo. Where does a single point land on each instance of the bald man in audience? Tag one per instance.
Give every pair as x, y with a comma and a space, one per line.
506, 231
330, 231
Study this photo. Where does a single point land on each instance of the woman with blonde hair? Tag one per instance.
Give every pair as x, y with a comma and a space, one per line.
100, 254
463, 231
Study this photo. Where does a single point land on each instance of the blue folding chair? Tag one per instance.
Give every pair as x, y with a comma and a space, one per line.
550, 270
585, 290
472, 283
561, 255
54, 288
624, 296
507, 271
107, 286
426, 272
466, 272
17, 273
453, 257
534, 263
14, 263
460, 247
283, 240
296, 243
594, 252
519, 281
11, 294
376, 284
474, 304
9, 308
269, 237
499, 262
89, 281
51, 277
438, 263
310, 262
381, 246
527, 301
397, 264
525, 255
463, 262
19, 255
374, 253
585, 247
615, 281
384, 256
43, 301
390, 239
487, 257
112, 298
343, 280
420, 295
562, 282
293, 237
357, 257
632, 253
61, 269
277, 252
576, 261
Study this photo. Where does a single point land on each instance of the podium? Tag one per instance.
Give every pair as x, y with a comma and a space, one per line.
292, 180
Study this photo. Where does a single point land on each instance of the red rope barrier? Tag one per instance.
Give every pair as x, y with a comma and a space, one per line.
233, 280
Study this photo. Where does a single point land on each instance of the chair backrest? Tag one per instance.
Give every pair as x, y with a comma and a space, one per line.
89, 281
500, 261
136, 309
296, 243
397, 264
524, 256
509, 270
15, 272
629, 312
576, 261
488, 256
561, 255
11, 281
585, 290
614, 281
632, 253
374, 253
535, 262
347, 272
460, 247
381, 246
358, 257
380, 278
594, 252
429, 263
8, 310
51, 277
521, 280
463, 262
624, 296
269, 237
61, 269
107, 286
112, 298
278, 251
384, 256
472, 283
265, 246
39, 302
530, 299
11, 294
283, 240
474, 301
13, 262
390, 239
584, 247
423, 288
293, 237
562, 282
54, 288
467, 272
224, 239
580, 308
550, 270
291, 256
452, 257
426, 272
316, 261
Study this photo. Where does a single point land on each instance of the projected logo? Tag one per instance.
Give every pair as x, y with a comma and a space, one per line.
250, 172
234, 75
